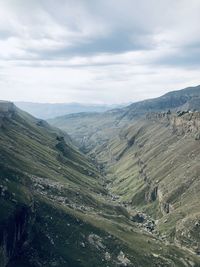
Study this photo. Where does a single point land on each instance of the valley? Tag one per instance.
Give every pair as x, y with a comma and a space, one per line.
99, 133
123, 190
151, 165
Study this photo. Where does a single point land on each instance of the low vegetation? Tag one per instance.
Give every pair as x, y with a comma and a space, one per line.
131, 199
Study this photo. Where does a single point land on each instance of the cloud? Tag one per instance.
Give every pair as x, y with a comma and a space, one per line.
97, 51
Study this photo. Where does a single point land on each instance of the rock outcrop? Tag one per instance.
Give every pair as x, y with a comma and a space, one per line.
181, 123
7, 109
13, 233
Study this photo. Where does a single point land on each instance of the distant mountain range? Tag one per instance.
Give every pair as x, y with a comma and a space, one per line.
188, 98
47, 110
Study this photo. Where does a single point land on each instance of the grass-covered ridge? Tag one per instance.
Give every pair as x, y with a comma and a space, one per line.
56, 206
151, 165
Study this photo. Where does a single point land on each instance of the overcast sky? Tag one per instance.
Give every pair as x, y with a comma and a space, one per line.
97, 51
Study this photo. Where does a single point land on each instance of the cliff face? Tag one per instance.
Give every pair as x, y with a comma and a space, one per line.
6, 107
188, 123
183, 123
6, 110
153, 165
78, 212
13, 233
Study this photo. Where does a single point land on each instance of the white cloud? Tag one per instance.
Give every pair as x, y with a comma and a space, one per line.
97, 51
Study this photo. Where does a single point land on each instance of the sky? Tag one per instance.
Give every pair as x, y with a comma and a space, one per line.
97, 51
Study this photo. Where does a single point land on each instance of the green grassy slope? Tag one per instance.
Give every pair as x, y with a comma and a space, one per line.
86, 127
153, 165
90, 129
56, 211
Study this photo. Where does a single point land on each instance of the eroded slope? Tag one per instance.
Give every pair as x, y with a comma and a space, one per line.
57, 211
153, 166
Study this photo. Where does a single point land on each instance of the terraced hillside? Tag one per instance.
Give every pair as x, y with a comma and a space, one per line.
154, 167
150, 164
57, 211
88, 129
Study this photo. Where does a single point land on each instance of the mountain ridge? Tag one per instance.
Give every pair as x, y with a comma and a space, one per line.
77, 124
150, 159
56, 208
48, 110
130, 198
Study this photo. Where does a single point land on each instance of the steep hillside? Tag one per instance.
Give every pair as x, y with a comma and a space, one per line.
57, 211
88, 129
185, 99
153, 167
150, 161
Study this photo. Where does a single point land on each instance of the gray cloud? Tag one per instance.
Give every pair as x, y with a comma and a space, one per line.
185, 57
111, 46
45, 29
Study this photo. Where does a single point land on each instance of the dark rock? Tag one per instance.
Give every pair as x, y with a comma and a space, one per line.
139, 218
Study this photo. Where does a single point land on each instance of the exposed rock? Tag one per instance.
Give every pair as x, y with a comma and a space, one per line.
107, 256
139, 218
7, 109
182, 123
152, 194
197, 136
123, 260
187, 232
96, 241
42, 123
165, 207
13, 233
82, 244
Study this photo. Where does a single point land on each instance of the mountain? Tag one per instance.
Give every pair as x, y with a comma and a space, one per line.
57, 207
87, 129
185, 99
154, 165
188, 98
149, 155
47, 110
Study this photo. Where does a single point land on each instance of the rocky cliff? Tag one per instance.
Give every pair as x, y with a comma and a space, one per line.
13, 234
182, 123
6, 110
6, 107
78, 211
